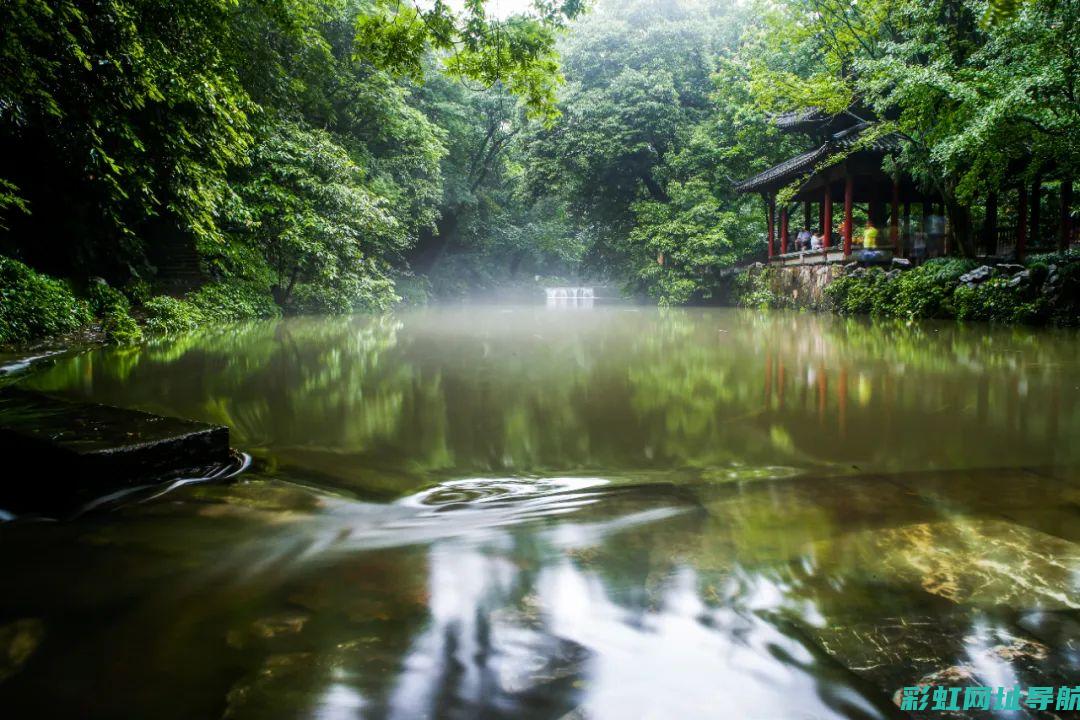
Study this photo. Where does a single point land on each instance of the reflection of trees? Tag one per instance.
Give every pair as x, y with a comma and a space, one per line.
386, 403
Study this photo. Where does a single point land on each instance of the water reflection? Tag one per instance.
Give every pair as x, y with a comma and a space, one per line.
525, 514
383, 404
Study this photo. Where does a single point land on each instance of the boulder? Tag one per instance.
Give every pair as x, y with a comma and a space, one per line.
1020, 278
978, 275
83, 451
901, 263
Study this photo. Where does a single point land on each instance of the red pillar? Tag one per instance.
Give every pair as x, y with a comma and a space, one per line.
1021, 221
826, 223
1065, 226
1036, 206
849, 196
783, 230
894, 222
769, 207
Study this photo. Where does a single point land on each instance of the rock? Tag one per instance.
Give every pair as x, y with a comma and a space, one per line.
893, 274
1010, 268
851, 266
18, 641
1019, 278
902, 263
82, 451
267, 629
978, 275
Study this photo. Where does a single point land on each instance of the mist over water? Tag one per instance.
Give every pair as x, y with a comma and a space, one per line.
614, 512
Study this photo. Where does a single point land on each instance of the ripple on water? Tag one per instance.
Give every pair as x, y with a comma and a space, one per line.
504, 500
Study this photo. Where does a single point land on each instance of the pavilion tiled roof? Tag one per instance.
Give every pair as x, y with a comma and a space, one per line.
782, 173
798, 118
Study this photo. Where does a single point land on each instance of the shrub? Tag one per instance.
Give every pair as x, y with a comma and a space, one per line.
105, 299
168, 316
114, 309
753, 290
119, 327
234, 300
415, 290
138, 291
1065, 297
997, 300
948, 270
927, 291
34, 306
857, 294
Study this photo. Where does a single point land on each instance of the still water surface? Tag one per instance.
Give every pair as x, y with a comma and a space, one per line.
529, 512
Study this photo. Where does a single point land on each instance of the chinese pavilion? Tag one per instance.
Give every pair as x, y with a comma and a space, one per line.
844, 170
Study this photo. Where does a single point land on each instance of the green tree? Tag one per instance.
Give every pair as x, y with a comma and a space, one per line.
323, 233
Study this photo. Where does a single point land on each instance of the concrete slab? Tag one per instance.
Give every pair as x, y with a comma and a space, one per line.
59, 452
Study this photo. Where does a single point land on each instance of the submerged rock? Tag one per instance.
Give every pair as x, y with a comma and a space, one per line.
986, 563
18, 641
268, 628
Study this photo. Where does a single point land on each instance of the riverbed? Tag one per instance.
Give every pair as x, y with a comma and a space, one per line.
567, 512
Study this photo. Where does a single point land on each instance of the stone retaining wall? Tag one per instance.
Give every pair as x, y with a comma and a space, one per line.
803, 285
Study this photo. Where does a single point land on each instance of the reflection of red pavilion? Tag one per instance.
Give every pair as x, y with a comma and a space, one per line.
846, 169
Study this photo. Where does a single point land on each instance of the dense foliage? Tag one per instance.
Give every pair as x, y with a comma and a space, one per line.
286, 146
1046, 291
982, 101
33, 305
338, 155
657, 118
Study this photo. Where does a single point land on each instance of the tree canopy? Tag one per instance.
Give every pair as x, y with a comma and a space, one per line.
337, 154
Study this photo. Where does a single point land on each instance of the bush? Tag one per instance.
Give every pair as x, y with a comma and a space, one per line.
234, 301
168, 316
34, 306
105, 299
415, 290
114, 309
119, 327
138, 291
926, 291
996, 300
752, 290
858, 294
1065, 295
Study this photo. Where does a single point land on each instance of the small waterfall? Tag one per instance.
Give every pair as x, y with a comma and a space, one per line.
570, 296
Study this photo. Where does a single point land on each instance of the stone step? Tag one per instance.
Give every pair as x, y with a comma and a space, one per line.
69, 453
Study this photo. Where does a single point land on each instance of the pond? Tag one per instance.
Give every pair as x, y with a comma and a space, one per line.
567, 512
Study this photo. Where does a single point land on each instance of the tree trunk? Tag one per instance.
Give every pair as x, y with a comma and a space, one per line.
959, 231
429, 250
658, 193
